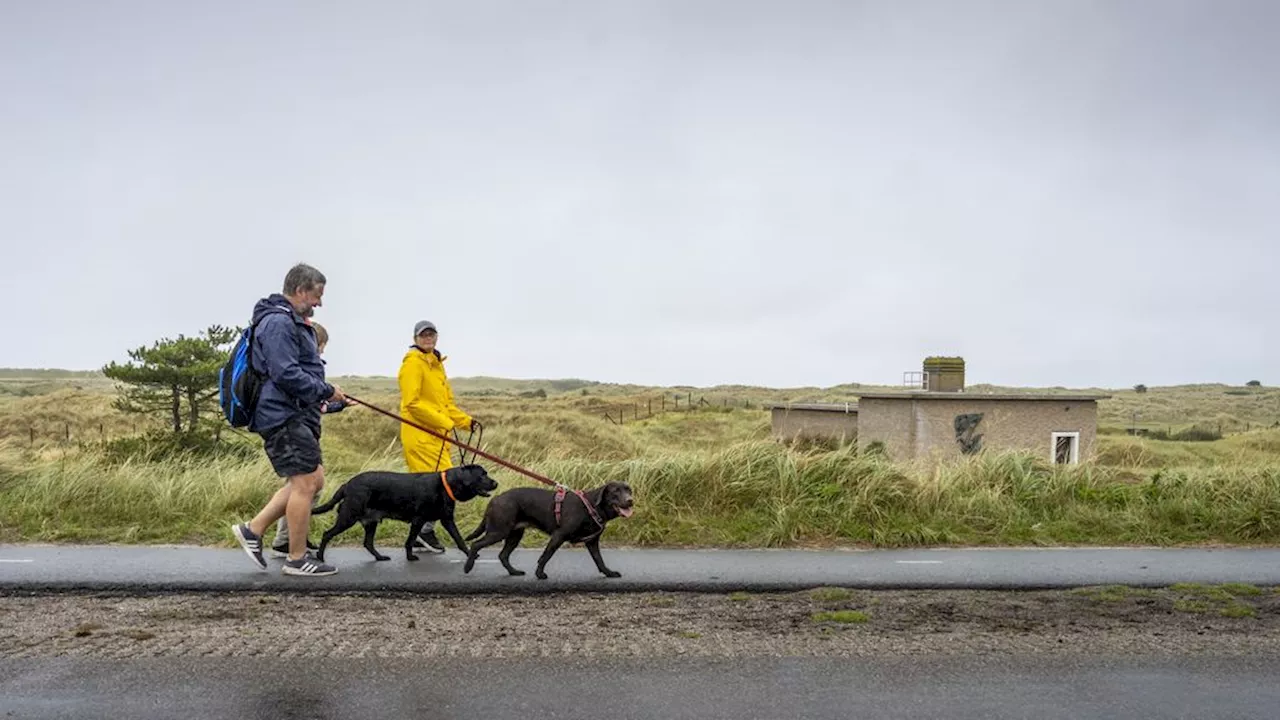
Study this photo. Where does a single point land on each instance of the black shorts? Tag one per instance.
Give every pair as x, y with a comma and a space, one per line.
293, 448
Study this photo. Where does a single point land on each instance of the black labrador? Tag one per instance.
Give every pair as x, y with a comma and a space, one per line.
415, 498
514, 510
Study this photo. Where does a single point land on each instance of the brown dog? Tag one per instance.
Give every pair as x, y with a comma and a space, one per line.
510, 513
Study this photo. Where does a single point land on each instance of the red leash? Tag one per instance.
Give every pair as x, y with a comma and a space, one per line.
560, 489
464, 446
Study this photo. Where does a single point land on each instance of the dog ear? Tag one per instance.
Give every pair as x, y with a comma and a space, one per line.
473, 473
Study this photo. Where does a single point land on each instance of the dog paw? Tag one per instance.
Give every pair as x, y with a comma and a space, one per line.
518, 573
541, 575
382, 558
613, 574
467, 568
411, 558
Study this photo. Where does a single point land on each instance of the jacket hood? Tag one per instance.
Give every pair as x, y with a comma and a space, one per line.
416, 352
269, 304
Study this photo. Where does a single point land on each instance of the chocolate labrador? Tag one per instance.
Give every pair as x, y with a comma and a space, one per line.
565, 519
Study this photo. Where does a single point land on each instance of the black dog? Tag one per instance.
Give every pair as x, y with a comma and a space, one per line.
514, 510
414, 498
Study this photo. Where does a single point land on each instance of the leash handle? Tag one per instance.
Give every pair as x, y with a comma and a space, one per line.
462, 454
510, 466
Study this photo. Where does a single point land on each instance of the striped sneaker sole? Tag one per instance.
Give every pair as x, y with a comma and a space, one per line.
251, 547
308, 567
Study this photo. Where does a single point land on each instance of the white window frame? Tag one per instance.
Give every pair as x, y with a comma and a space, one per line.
1075, 447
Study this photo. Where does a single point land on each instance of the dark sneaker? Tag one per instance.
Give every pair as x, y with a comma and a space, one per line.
307, 565
428, 541
251, 543
281, 550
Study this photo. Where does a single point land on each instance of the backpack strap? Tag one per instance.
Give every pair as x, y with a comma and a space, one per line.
253, 327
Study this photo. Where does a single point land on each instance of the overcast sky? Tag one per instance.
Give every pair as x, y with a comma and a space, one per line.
775, 193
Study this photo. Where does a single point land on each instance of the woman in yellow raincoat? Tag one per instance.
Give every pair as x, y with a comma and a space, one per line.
427, 399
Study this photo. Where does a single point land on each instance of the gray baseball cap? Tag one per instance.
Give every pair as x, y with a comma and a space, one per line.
424, 325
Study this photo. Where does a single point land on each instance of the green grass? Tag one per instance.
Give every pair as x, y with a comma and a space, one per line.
1238, 610
1112, 593
1191, 606
830, 595
1207, 592
1241, 589
1225, 599
755, 493
708, 477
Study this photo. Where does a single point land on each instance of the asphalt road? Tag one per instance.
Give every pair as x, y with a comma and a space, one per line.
170, 568
957, 688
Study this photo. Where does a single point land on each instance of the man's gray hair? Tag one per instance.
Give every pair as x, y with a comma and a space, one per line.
302, 277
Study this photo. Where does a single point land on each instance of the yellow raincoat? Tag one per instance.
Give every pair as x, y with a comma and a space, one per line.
427, 399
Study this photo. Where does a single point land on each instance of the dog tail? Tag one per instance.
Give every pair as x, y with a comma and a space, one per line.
337, 498
477, 532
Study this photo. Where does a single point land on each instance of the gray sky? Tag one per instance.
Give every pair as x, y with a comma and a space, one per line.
786, 193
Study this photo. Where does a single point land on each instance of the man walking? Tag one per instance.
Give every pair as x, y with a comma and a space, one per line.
293, 388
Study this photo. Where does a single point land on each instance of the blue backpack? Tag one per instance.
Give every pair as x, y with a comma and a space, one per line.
239, 385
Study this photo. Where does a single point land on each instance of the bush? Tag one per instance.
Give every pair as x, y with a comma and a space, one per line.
1139, 388
816, 443
1253, 383
160, 446
1192, 434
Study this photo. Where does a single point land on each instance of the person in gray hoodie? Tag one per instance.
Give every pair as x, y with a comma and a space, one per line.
287, 415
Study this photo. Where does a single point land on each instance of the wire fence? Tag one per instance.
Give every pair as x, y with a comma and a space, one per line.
71, 432
649, 407
46, 432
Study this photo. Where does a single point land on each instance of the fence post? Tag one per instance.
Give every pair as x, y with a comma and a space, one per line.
32, 432
650, 407
664, 402
66, 429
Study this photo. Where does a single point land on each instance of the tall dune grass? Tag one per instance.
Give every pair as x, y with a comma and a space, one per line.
749, 494
710, 477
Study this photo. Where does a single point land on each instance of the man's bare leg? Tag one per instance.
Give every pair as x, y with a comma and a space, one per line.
298, 510
273, 511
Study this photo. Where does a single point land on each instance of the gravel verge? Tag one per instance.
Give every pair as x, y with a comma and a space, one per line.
826, 622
